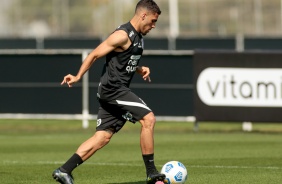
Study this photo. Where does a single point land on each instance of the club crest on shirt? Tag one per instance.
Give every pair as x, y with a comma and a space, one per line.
131, 33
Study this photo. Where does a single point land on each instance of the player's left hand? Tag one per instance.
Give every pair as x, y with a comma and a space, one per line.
144, 72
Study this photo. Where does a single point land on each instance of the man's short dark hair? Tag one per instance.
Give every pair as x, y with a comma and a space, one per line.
150, 5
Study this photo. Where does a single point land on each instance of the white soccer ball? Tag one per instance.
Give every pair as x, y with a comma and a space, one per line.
175, 171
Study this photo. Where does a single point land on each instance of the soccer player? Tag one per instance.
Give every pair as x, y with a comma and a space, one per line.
123, 50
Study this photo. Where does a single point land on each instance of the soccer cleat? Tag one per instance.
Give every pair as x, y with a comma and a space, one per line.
63, 178
152, 178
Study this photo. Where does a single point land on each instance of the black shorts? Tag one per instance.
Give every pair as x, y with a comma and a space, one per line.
114, 114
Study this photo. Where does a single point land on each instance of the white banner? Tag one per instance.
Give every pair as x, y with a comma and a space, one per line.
241, 87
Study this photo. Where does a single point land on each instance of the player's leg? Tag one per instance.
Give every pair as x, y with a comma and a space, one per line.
85, 151
147, 141
107, 125
147, 148
93, 144
137, 110
147, 133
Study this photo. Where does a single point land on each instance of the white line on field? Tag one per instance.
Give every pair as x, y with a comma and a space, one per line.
9, 162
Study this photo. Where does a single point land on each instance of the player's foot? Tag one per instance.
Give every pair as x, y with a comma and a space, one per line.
63, 178
155, 176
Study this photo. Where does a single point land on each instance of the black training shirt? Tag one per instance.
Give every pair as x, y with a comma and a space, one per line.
120, 67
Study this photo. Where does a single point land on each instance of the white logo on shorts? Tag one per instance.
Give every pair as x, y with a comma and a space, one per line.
99, 121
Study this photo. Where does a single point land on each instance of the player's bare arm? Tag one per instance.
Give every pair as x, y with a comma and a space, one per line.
117, 41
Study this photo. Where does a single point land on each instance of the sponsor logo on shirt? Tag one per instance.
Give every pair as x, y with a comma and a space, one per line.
132, 63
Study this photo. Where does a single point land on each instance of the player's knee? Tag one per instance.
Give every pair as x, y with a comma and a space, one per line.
103, 138
149, 121
102, 143
152, 119
106, 139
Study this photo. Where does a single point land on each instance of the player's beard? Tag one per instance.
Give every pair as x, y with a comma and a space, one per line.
144, 34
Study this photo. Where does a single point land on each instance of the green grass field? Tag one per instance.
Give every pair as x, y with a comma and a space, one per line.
219, 153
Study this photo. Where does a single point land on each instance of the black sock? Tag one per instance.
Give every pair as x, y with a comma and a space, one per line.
149, 163
71, 164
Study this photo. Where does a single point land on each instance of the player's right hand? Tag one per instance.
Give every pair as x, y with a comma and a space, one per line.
70, 80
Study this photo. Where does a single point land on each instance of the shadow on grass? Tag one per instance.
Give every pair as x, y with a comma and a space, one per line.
136, 182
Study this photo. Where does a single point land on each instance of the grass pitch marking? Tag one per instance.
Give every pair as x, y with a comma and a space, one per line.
10, 162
